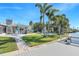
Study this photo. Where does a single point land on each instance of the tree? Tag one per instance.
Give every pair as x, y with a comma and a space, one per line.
44, 7
66, 24
50, 15
31, 26
61, 24
30, 23
56, 24
37, 27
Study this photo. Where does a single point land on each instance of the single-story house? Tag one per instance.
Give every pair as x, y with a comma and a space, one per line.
11, 28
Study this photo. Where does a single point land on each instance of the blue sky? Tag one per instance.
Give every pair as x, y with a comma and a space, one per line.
23, 13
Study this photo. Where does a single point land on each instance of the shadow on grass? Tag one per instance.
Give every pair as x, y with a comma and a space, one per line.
39, 39
2, 47
6, 41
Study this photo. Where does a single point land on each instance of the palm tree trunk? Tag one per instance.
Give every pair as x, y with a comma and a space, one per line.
48, 25
43, 19
44, 26
59, 29
43, 23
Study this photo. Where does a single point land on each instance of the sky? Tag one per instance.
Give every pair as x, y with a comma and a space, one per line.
23, 13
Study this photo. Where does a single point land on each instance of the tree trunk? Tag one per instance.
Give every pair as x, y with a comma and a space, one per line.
48, 25
43, 24
59, 29
44, 27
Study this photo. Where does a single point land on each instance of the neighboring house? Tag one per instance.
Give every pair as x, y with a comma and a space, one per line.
11, 28
2, 28
30, 29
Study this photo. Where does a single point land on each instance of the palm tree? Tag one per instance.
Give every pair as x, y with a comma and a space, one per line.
66, 23
50, 15
44, 7
61, 24
57, 24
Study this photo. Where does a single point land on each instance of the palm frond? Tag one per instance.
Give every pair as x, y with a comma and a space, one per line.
54, 10
47, 7
45, 4
39, 5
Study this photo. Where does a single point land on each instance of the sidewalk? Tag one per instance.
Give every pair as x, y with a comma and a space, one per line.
55, 49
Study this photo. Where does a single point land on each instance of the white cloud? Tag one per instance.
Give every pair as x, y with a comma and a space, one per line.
66, 7
17, 8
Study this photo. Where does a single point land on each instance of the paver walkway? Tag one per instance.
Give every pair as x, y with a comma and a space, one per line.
22, 47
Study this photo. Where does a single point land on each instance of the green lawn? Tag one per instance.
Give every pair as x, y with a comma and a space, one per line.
37, 39
7, 44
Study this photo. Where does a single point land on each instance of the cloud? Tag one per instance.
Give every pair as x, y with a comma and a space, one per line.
66, 7
17, 8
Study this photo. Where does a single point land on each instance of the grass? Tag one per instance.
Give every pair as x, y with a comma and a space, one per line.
7, 44
37, 39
